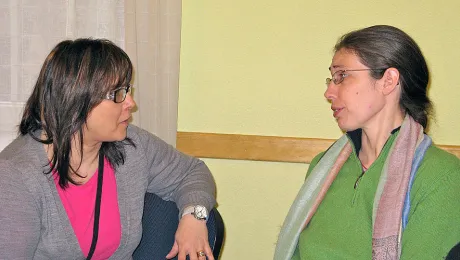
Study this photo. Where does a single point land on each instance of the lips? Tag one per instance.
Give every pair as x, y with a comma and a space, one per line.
337, 111
125, 121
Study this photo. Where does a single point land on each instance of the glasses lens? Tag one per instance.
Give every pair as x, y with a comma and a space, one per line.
337, 77
120, 95
328, 81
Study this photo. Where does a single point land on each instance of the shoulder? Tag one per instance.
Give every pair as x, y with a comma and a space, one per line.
439, 171
15, 149
15, 179
337, 144
141, 136
314, 162
146, 143
135, 132
439, 164
437, 157
10, 175
23, 164
316, 159
20, 154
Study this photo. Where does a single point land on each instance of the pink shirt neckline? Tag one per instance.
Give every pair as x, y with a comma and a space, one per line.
79, 202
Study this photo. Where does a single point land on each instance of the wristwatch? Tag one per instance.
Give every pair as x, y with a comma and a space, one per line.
198, 211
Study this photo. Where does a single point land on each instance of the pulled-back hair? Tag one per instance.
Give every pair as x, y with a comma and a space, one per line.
384, 46
75, 77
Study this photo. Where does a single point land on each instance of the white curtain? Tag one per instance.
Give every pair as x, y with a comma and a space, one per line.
153, 29
30, 28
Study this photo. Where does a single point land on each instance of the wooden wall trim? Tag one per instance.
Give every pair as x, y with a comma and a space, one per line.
259, 148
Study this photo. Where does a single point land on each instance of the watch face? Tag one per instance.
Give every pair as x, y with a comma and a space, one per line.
200, 212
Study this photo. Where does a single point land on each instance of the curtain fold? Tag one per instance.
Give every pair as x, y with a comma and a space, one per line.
152, 40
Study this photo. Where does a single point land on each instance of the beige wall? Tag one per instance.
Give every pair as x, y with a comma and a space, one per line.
258, 67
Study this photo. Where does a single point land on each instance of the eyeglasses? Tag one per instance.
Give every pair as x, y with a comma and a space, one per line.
118, 95
340, 75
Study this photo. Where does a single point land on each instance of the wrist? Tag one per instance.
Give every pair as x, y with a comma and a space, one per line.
198, 211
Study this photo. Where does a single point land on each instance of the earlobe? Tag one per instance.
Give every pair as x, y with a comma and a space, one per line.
391, 80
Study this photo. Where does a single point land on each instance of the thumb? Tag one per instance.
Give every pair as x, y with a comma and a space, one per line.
173, 252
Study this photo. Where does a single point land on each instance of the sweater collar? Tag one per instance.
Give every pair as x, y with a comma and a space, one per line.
355, 137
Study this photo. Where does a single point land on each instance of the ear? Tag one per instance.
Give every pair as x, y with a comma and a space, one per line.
390, 81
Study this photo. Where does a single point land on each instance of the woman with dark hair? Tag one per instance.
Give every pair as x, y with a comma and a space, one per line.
383, 190
72, 184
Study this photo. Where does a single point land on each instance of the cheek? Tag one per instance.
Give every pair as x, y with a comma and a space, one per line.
104, 120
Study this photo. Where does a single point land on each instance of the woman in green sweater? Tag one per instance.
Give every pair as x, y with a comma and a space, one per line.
383, 190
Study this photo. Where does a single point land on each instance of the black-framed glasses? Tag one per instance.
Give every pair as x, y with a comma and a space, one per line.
118, 95
340, 75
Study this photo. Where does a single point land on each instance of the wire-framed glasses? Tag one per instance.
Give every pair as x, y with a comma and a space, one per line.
340, 75
118, 95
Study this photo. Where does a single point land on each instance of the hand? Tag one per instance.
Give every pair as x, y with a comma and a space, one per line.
191, 237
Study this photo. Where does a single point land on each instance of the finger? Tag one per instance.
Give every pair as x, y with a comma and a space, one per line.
182, 255
173, 252
207, 250
193, 254
201, 255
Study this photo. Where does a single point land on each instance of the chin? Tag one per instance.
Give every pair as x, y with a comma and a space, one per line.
121, 133
119, 136
346, 128
122, 137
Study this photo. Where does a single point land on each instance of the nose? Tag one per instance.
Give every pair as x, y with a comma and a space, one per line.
129, 102
331, 91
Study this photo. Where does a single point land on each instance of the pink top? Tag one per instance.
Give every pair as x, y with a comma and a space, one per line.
79, 202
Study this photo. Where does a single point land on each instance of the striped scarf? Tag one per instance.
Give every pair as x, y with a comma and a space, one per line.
392, 198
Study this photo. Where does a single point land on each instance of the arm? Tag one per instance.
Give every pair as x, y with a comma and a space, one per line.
19, 218
185, 180
434, 224
174, 175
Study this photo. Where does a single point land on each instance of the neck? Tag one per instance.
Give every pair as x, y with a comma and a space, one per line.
83, 159
84, 164
375, 136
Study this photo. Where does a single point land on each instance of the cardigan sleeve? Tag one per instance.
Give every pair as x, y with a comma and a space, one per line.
19, 217
175, 176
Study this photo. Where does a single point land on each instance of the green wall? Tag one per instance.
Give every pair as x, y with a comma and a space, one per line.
258, 67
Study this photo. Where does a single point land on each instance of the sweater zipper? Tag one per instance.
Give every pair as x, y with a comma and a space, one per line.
356, 184
358, 180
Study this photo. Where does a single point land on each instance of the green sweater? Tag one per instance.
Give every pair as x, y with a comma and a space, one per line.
342, 226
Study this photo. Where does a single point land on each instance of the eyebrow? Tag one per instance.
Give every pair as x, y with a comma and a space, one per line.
335, 67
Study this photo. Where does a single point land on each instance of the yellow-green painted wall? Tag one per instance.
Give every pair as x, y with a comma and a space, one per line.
258, 67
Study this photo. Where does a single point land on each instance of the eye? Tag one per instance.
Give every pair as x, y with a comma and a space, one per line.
340, 76
337, 77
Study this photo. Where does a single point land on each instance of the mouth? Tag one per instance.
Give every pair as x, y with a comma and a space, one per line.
336, 111
125, 122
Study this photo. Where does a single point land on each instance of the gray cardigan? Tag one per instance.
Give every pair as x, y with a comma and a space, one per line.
34, 224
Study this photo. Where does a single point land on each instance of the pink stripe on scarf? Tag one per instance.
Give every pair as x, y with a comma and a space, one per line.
387, 226
341, 159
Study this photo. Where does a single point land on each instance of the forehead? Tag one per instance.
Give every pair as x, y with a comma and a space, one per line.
345, 59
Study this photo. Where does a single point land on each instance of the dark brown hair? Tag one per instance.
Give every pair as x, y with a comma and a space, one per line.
74, 78
384, 46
